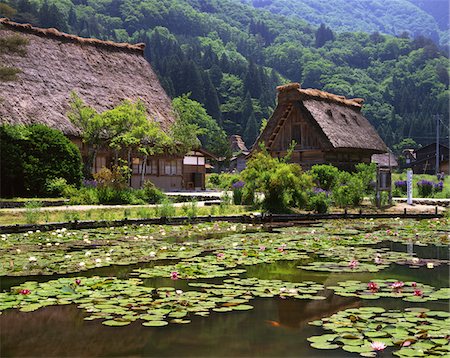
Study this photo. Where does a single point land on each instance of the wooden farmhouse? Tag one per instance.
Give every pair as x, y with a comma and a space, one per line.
423, 160
326, 129
103, 74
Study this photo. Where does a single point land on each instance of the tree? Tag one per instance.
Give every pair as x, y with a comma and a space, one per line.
91, 126
323, 34
251, 130
194, 116
31, 156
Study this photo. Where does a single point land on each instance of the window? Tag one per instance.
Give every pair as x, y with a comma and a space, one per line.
170, 167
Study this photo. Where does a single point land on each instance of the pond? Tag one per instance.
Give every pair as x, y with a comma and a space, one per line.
228, 290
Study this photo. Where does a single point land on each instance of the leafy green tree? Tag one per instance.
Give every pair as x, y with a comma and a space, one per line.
31, 156
193, 115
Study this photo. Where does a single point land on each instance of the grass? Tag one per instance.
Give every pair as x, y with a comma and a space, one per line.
444, 194
42, 216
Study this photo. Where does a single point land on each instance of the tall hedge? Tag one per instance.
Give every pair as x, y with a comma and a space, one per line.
32, 155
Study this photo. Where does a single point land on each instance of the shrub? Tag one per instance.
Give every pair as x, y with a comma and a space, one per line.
367, 174
318, 202
56, 187
190, 209
84, 196
283, 185
221, 181
166, 209
152, 194
32, 156
425, 188
348, 191
115, 178
401, 186
324, 175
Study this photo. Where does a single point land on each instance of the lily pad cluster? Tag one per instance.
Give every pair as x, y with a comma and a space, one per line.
264, 288
407, 291
414, 332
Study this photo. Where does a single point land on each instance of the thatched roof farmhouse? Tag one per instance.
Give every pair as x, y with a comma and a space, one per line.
103, 73
326, 128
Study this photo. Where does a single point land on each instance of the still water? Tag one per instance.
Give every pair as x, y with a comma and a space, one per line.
274, 328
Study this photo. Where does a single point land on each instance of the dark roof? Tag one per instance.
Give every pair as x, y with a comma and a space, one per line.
338, 118
102, 73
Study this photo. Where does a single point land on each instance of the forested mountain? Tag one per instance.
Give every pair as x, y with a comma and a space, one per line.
231, 56
417, 17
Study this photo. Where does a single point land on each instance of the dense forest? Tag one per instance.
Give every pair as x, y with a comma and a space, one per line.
427, 18
230, 56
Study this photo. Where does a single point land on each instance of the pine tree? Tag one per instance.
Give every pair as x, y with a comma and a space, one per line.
323, 34
73, 20
251, 130
252, 81
212, 105
225, 64
247, 109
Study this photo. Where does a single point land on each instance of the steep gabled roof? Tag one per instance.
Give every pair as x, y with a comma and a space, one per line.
338, 118
103, 73
238, 144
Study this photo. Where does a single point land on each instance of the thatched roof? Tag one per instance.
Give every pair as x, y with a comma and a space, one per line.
238, 144
385, 160
339, 119
102, 73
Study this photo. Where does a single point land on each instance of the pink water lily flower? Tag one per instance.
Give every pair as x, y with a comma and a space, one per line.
220, 255
418, 293
353, 264
372, 286
398, 284
377, 346
377, 259
78, 281
262, 248
406, 343
414, 284
174, 275
25, 292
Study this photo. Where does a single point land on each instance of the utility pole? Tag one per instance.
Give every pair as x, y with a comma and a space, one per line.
437, 143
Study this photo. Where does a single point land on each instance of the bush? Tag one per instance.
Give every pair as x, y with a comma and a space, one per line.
165, 209
84, 196
152, 194
222, 181
190, 209
324, 175
31, 156
57, 187
117, 178
283, 185
425, 188
318, 202
348, 191
367, 173
401, 187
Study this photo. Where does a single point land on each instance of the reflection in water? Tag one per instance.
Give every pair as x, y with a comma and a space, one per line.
276, 327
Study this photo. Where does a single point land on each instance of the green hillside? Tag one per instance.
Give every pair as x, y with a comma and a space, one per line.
231, 56
389, 17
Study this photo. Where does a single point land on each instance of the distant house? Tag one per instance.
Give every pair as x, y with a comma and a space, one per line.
326, 128
386, 160
103, 73
423, 160
240, 152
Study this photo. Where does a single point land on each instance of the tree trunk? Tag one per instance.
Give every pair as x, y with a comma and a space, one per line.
144, 167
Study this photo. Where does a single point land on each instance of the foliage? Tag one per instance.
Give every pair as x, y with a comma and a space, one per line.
282, 185
32, 211
57, 187
367, 174
318, 202
152, 193
165, 209
33, 155
348, 190
324, 175
195, 122
221, 181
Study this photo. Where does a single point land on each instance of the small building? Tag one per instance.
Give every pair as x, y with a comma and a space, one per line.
424, 159
195, 164
238, 161
326, 129
103, 74
385, 160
